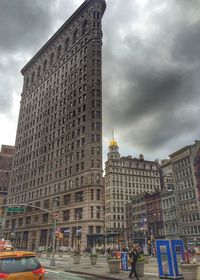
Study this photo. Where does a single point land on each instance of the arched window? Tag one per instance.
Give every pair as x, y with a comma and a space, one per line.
32, 77
84, 27
39, 71
59, 52
67, 44
75, 37
45, 65
51, 58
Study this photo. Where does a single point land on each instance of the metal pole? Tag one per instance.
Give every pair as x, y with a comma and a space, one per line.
105, 231
77, 239
146, 251
52, 260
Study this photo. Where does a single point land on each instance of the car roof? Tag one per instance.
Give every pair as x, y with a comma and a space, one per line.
10, 254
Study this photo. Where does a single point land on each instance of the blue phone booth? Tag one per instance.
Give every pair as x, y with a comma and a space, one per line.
169, 255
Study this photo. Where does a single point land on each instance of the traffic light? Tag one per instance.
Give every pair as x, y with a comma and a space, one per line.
59, 235
149, 241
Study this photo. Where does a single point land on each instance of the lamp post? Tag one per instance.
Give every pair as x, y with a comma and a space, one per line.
143, 227
98, 210
54, 218
77, 231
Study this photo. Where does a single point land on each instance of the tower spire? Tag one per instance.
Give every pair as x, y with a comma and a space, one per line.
113, 148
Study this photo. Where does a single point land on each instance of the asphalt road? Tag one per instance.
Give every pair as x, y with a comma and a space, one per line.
60, 275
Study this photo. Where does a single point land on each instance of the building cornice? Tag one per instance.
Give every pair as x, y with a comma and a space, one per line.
85, 4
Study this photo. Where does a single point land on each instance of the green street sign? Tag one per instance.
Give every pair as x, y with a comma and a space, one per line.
15, 209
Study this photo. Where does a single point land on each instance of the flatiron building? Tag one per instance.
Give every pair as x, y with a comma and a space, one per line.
58, 152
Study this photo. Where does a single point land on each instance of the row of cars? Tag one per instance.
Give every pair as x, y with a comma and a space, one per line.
21, 265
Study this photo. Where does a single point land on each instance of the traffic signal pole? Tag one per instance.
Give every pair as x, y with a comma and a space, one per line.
52, 260
54, 222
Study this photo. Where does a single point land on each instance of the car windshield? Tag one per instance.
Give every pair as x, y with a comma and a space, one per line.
11, 265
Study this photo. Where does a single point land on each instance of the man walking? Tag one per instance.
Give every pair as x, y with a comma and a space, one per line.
133, 255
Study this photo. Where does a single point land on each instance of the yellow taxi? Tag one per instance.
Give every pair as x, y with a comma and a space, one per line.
20, 265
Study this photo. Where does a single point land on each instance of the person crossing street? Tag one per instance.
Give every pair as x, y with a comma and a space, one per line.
133, 255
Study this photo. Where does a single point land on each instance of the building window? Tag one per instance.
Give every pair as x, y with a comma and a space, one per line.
51, 58
28, 220
84, 27
45, 65
27, 82
46, 203
59, 52
66, 215
67, 44
79, 196
20, 223
75, 36
45, 217
78, 213
32, 77
98, 194
39, 71
91, 229
91, 212
66, 199
92, 194
98, 229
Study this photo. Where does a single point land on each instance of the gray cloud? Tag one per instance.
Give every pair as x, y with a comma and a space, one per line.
23, 23
151, 79
151, 66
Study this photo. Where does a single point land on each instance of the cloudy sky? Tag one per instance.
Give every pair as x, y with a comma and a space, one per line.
151, 68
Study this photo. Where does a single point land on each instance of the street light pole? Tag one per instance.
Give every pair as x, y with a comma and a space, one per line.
52, 260
105, 241
105, 231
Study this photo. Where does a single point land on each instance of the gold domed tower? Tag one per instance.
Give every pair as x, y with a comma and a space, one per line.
113, 150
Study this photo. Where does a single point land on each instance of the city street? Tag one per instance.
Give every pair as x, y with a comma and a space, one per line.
55, 275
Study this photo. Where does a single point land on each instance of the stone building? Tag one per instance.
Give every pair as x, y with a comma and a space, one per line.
144, 220
170, 211
124, 178
169, 203
186, 173
58, 157
167, 181
136, 219
6, 159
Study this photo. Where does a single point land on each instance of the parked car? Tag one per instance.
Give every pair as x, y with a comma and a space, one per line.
20, 265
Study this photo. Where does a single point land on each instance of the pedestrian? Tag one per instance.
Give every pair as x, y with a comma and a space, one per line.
133, 255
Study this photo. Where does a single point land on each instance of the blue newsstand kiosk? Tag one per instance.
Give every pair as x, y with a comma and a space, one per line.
169, 255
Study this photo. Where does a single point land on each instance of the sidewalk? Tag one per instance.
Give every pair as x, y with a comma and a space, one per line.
101, 269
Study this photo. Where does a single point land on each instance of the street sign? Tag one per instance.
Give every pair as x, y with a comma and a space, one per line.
15, 209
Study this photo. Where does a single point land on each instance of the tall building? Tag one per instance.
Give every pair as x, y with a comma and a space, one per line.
6, 159
169, 203
170, 210
136, 219
124, 178
58, 157
186, 173
167, 181
144, 218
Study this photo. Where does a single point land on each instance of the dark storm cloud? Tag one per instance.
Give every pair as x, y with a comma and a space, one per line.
23, 23
151, 77
151, 65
